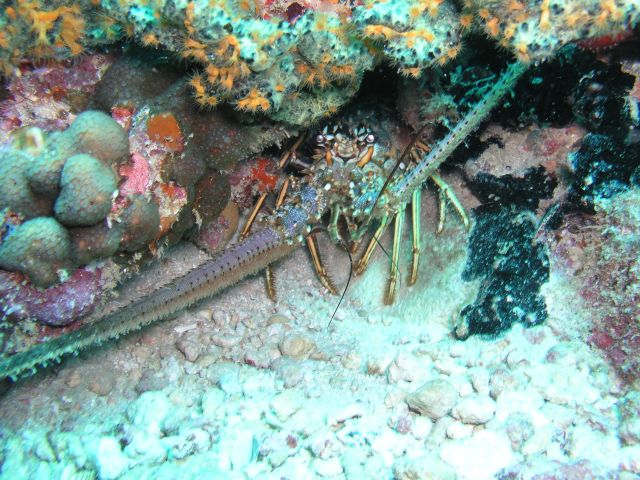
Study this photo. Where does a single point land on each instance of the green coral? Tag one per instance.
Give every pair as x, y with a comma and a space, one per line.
15, 191
40, 248
86, 188
92, 132
100, 136
71, 175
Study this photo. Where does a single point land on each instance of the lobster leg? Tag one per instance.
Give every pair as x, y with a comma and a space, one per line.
395, 255
333, 225
312, 245
415, 224
269, 280
446, 192
373, 243
269, 275
252, 216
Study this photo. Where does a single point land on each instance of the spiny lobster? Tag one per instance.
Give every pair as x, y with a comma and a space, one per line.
348, 179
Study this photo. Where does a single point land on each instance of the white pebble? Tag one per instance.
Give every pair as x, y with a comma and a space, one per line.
225, 341
421, 427
211, 402
149, 411
285, 404
480, 457
426, 467
324, 445
474, 410
403, 368
296, 346
434, 399
109, 459
327, 468
457, 431
352, 410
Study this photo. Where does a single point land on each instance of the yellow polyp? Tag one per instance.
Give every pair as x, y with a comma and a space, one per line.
72, 30
4, 40
226, 81
11, 13
545, 22
343, 70
229, 48
522, 52
521, 17
150, 40
466, 21
425, 34
515, 5
379, 31
484, 13
416, 11
254, 102
279, 88
42, 23
208, 101
493, 27
545, 16
411, 72
453, 51
197, 84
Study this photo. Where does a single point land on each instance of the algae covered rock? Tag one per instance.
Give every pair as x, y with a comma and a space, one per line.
94, 242
141, 222
86, 188
39, 248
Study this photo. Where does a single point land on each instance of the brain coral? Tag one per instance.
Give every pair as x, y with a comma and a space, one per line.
86, 188
40, 248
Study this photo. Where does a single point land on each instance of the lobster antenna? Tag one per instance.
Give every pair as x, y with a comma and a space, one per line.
346, 287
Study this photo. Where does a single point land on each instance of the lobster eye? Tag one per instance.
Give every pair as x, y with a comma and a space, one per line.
370, 138
320, 139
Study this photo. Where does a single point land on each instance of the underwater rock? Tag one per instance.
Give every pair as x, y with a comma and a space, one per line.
134, 80
511, 266
603, 167
48, 96
527, 168
435, 399
95, 242
140, 223
93, 133
214, 235
55, 306
527, 191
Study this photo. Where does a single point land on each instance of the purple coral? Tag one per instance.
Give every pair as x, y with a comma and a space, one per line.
56, 306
